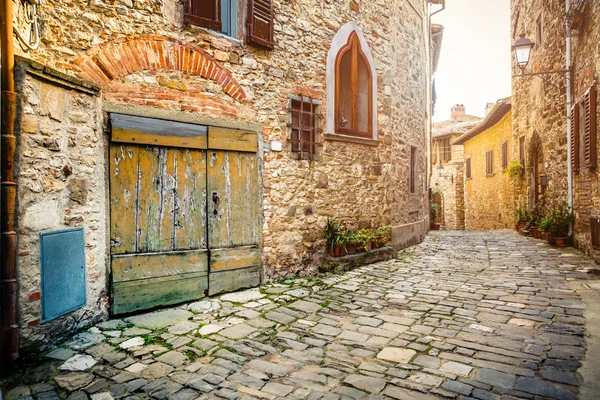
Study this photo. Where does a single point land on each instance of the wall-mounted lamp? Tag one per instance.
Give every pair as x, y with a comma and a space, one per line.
440, 170
522, 49
544, 180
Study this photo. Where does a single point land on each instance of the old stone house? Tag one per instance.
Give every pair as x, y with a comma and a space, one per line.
169, 149
447, 188
488, 192
554, 118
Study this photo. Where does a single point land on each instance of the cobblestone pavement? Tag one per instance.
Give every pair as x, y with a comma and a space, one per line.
485, 315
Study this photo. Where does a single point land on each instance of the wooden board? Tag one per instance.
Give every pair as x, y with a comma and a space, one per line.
234, 200
228, 281
235, 258
232, 139
148, 293
123, 198
141, 130
132, 267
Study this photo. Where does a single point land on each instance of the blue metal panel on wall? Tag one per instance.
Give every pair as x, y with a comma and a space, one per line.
62, 261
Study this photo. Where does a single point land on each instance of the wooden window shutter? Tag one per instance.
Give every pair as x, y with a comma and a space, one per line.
504, 155
205, 13
260, 23
468, 168
488, 162
575, 137
590, 151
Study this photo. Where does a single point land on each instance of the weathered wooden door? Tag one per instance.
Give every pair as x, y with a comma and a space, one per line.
234, 210
167, 229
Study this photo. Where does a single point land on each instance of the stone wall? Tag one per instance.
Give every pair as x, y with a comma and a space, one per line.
61, 185
586, 66
450, 187
539, 108
363, 182
489, 197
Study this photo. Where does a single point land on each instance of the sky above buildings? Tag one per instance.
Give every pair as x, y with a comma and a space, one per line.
474, 67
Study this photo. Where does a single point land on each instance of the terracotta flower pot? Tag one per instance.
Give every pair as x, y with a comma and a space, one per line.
560, 241
434, 226
351, 248
522, 225
335, 251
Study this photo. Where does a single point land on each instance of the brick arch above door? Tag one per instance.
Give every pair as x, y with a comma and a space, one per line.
111, 60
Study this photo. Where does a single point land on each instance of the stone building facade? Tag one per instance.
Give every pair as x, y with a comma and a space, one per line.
146, 59
489, 193
540, 111
449, 187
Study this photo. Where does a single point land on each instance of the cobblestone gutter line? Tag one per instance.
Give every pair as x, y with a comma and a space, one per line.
484, 315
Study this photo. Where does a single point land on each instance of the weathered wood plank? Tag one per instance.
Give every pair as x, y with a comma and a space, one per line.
219, 213
138, 137
190, 202
124, 198
156, 203
148, 293
235, 258
154, 265
232, 139
141, 130
228, 281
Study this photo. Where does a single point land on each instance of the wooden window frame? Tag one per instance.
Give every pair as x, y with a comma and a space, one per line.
504, 156
264, 11
353, 46
314, 129
446, 150
595, 232
191, 19
489, 162
575, 126
590, 151
468, 171
522, 151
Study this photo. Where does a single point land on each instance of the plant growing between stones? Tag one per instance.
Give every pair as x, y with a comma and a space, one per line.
515, 170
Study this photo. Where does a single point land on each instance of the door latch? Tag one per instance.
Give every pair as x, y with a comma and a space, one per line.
215, 199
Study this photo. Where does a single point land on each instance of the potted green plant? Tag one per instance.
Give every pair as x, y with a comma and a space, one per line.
560, 221
544, 227
352, 242
364, 237
522, 217
334, 236
381, 237
433, 212
534, 221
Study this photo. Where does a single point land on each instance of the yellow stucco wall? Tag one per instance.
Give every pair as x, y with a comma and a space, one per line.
489, 197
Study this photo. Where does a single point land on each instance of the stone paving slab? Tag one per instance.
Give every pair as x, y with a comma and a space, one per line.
464, 315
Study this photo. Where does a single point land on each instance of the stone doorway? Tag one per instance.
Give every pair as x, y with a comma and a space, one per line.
536, 169
439, 201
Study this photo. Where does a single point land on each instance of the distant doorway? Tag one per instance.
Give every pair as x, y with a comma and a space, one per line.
438, 200
536, 169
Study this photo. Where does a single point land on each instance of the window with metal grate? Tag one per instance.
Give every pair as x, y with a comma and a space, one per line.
304, 121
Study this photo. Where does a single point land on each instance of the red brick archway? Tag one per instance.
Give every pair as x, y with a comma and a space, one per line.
111, 60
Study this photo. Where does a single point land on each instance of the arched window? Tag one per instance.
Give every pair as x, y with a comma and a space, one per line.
353, 91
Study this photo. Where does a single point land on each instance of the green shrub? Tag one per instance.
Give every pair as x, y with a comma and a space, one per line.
515, 170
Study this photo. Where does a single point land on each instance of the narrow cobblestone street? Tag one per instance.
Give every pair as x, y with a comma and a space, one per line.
485, 315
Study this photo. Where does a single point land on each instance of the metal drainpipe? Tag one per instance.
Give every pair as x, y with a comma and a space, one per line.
569, 119
9, 334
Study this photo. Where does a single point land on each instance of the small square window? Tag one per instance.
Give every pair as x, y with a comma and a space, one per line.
304, 116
